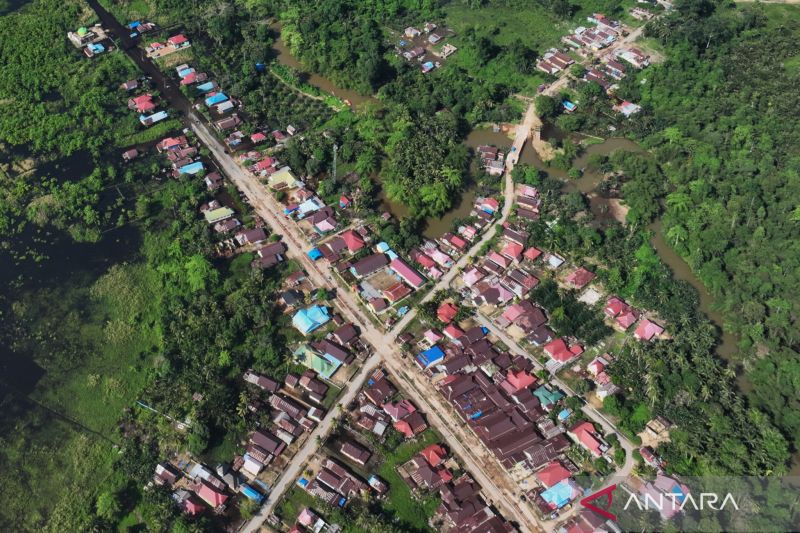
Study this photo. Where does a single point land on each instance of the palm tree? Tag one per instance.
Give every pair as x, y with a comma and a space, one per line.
677, 234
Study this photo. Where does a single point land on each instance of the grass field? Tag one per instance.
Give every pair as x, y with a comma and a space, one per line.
399, 506
95, 339
533, 25
410, 513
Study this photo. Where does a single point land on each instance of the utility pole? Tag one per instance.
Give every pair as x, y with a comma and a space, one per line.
335, 152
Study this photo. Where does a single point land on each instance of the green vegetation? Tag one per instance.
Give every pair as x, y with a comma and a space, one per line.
681, 378
719, 118
568, 316
399, 511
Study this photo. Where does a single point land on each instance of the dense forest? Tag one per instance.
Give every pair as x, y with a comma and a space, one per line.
720, 117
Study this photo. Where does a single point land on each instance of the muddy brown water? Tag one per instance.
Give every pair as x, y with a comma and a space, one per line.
285, 57
435, 227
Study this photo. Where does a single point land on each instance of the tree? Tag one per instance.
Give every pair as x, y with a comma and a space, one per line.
108, 506
546, 106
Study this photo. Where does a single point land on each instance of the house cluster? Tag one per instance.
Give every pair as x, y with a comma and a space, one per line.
184, 159
427, 46
492, 160
290, 418
497, 395
640, 13
379, 406
173, 44
602, 35
462, 507
503, 274
338, 350
587, 521
196, 488
376, 272
92, 41
309, 521
554, 61
139, 28
625, 316
612, 69
144, 104
334, 483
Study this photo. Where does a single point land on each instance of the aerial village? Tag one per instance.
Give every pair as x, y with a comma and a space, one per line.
606, 63
428, 46
391, 344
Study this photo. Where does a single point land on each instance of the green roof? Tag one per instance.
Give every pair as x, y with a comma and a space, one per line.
218, 214
548, 397
305, 355
82, 31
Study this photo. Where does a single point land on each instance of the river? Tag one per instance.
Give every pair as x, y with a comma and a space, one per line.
285, 57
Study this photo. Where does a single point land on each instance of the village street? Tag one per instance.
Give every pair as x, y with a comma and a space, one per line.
421, 390
497, 484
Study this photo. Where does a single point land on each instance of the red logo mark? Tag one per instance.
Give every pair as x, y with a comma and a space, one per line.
608, 492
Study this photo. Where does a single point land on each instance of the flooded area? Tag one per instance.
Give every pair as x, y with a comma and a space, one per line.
435, 227
284, 56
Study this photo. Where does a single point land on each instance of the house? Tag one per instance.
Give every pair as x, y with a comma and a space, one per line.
615, 69
414, 53
258, 138
499, 260
580, 278
227, 123
646, 330
209, 494
627, 108
380, 391
368, 265
584, 434
307, 320
487, 205
295, 279
282, 179
268, 441
446, 312
355, 452
411, 32
434, 454
552, 474
411, 426
597, 366
333, 352
429, 357
378, 304
399, 410
353, 241
345, 334
517, 381
166, 474
130, 85
453, 332
635, 57
532, 253
131, 154
614, 306
265, 383
396, 292
473, 275
513, 251
559, 351
292, 297
553, 261
251, 236
627, 318
143, 103
407, 273
179, 41
226, 226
